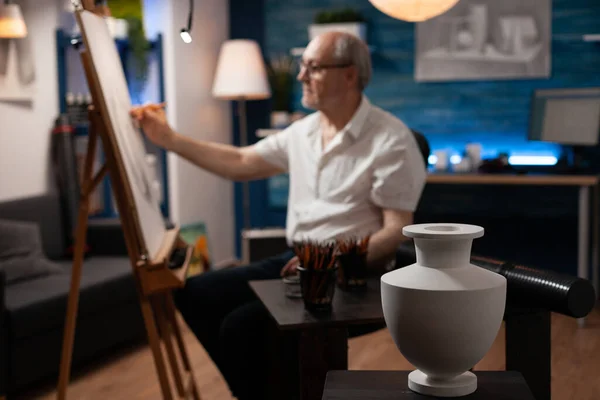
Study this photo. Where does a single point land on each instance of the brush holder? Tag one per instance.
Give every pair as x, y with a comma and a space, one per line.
352, 272
318, 288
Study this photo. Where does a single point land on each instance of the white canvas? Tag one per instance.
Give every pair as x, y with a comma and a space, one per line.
113, 85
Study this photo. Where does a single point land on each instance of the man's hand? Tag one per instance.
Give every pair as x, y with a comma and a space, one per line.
153, 121
290, 267
224, 160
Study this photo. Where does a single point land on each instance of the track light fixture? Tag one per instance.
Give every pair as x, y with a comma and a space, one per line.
186, 32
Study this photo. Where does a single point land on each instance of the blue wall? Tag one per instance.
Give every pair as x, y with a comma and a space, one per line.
451, 114
494, 113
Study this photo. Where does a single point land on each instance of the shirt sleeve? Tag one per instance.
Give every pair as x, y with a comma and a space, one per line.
274, 148
399, 174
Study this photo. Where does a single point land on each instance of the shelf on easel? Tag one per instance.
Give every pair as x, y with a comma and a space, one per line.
168, 244
155, 275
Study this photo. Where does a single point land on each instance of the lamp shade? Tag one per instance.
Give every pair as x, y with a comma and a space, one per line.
413, 10
12, 24
241, 72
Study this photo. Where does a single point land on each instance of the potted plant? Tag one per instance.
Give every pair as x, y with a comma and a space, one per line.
130, 13
344, 20
139, 46
281, 78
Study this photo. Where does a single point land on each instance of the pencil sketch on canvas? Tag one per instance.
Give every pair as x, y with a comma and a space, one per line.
113, 86
132, 149
485, 39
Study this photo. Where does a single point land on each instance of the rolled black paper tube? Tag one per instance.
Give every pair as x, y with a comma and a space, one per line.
530, 287
560, 293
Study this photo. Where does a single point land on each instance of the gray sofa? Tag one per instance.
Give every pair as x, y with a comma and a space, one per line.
32, 310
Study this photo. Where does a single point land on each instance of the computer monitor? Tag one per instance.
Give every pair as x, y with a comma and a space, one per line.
566, 116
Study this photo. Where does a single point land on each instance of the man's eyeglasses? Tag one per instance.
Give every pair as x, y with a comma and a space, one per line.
316, 68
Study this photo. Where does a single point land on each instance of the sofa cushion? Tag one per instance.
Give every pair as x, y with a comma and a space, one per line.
44, 210
40, 304
21, 254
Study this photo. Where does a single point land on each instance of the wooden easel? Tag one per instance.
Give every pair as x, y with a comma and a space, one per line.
153, 278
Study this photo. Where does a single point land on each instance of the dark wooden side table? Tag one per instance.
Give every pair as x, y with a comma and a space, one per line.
393, 385
305, 345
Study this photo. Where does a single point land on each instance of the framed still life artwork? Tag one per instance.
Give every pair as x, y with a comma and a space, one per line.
485, 40
195, 235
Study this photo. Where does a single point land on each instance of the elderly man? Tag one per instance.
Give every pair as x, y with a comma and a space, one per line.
354, 170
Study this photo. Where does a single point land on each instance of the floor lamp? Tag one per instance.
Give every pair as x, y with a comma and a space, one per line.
241, 75
12, 24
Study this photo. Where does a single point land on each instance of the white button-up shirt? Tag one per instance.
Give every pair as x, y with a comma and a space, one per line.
373, 163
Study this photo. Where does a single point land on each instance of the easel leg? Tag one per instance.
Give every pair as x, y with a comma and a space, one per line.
165, 330
154, 341
80, 240
164, 311
170, 310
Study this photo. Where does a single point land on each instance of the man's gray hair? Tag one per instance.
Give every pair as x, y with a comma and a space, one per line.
351, 49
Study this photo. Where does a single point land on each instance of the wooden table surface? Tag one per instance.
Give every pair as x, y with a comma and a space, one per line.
348, 308
513, 179
393, 385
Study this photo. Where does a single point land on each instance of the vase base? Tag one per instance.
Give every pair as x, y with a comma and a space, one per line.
461, 385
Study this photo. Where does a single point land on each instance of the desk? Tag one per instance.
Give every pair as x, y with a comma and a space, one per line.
393, 385
585, 223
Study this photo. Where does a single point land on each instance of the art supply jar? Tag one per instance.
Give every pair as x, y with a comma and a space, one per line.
318, 288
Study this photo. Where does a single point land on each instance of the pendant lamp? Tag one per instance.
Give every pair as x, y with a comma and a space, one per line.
413, 10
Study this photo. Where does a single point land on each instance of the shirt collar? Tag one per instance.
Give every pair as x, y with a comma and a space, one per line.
356, 123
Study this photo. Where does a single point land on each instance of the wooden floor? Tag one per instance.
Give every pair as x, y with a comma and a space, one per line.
131, 375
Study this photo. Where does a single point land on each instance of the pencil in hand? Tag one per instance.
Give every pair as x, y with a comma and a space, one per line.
138, 112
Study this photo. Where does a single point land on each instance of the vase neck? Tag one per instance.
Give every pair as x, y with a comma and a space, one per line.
442, 254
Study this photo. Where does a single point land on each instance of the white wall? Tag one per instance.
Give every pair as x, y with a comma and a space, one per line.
25, 128
189, 70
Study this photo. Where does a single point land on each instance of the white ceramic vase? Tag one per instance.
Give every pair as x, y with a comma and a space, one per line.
443, 312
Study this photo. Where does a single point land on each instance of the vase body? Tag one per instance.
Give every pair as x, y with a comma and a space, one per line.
443, 312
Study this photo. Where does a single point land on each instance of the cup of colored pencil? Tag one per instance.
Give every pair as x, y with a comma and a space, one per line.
352, 263
317, 271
